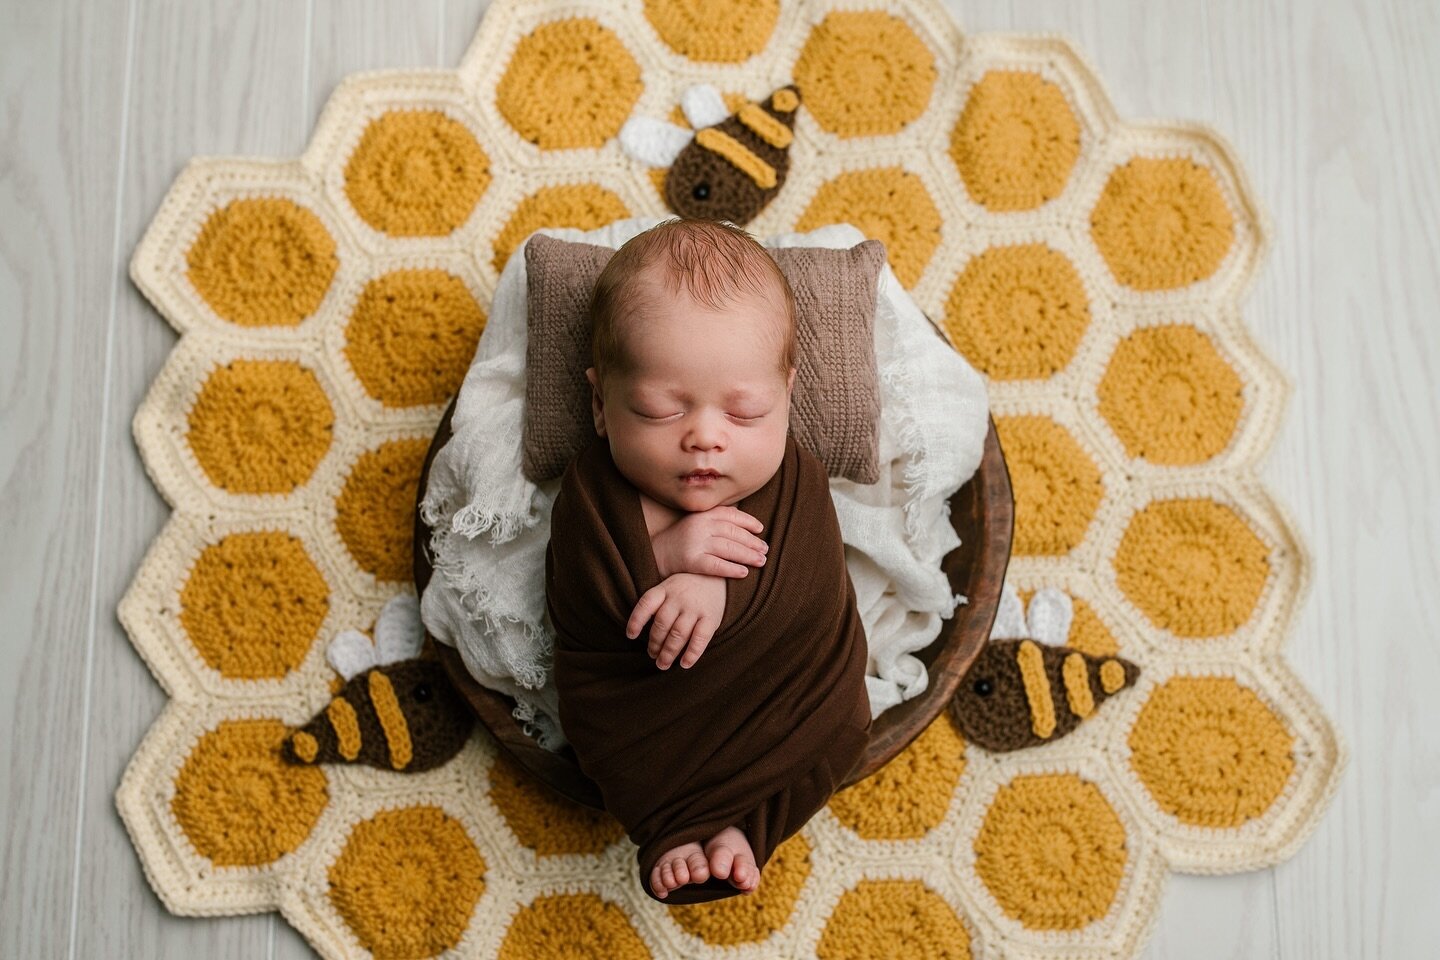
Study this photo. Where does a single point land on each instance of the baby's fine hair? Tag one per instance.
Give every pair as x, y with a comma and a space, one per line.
713, 261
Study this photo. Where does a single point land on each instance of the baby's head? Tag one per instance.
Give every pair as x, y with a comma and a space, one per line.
693, 345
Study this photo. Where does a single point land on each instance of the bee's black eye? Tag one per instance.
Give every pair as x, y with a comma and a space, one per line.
983, 687
701, 191
421, 693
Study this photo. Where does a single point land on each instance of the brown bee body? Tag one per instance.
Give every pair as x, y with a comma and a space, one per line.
1020, 693
732, 169
399, 716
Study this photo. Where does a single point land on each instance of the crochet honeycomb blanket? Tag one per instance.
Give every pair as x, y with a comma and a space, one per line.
1090, 267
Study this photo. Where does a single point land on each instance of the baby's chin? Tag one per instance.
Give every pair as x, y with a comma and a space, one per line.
697, 499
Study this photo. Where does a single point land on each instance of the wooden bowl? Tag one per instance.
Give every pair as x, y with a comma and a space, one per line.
982, 514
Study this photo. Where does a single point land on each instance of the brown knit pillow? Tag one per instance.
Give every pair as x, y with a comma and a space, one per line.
834, 408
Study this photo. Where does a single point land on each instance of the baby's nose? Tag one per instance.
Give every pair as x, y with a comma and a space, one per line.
706, 433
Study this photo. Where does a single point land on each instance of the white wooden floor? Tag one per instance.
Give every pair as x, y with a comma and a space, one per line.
1334, 108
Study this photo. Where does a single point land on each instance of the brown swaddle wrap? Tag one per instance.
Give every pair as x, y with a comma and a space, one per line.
763, 729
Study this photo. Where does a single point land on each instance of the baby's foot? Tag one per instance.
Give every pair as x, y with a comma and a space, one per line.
675, 868
731, 858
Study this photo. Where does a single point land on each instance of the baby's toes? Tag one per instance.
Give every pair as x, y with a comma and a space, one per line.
656, 883
667, 874
721, 861
699, 868
744, 874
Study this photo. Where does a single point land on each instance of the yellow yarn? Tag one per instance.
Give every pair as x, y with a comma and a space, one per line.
376, 508
346, 726
1018, 312
755, 917
584, 206
572, 925
1037, 688
1057, 487
1051, 851
260, 426
570, 83
889, 204
253, 604
908, 797
864, 73
392, 720
1112, 676
763, 125
1170, 397
714, 31
737, 155
1077, 685
412, 335
1192, 566
785, 101
239, 803
306, 747
1210, 751
1162, 223
1016, 141
416, 173
893, 918
407, 882
542, 819
262, 262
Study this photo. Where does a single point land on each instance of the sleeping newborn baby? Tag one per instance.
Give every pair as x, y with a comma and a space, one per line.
718, 731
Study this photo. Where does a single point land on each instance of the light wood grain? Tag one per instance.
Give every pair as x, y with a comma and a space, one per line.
1332, 108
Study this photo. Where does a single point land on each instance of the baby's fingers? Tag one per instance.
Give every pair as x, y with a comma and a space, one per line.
660, 630
644, 610
699, 640
737, 516
715, 566
675, 641
738, 535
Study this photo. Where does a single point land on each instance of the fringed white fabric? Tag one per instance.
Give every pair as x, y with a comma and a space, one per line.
487, 597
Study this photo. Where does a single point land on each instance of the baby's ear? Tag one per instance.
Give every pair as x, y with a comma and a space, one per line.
597, 401
790, 384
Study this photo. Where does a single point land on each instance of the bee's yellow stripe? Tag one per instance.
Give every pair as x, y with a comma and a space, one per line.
346, 727
1112, 676
392, 719
305, 746
1077, 686
1037, 689
764, 126
738, 155
785, 101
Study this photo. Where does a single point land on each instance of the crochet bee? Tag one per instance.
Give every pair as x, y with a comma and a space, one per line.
730, 165
395, 711
1026, 688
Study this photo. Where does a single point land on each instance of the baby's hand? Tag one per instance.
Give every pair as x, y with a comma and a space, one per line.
718, 542
688, 609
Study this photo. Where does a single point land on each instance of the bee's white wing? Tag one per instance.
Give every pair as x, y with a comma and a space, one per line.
1050, 614
654, 143
351, 653
1010, 617
703, 106
399, 634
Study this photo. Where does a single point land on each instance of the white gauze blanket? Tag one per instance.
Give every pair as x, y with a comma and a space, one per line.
487, 597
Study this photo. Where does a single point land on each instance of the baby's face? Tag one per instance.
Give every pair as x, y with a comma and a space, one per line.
705, 394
